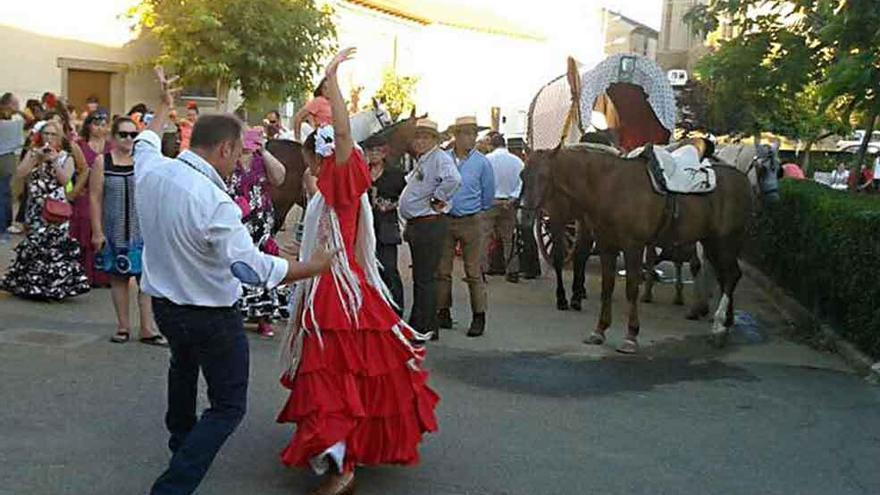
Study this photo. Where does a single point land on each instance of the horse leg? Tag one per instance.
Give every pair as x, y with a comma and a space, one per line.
633, 260
578, 284
650, 263
557, 233
704, 275
728, 273
609, 262
679, 285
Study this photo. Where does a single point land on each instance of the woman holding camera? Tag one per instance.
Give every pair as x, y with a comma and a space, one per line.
115, 233
46, 262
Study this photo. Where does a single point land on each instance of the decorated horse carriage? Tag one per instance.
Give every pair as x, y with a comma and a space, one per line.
626, 98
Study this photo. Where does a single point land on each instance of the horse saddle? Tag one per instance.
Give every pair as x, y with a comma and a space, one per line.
679, 172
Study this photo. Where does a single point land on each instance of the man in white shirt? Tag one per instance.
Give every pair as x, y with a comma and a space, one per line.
501, 219
196, 253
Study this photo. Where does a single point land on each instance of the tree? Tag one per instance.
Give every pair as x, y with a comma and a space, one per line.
396, 92
822, 59
264, 48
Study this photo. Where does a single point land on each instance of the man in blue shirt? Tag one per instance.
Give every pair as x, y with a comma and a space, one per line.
475, 196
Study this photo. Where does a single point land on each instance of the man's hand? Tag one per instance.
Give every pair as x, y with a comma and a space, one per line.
321, 259
166, 100
438, 205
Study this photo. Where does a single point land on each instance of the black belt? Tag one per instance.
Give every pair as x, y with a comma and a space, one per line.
423, 219
168, 302
461, 216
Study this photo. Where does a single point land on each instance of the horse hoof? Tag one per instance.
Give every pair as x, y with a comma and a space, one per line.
697, 313
647, 300
678, 302
562, 305
576, 304
628, 346
595, 338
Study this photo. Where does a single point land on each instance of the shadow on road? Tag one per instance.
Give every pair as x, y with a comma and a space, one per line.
689, 359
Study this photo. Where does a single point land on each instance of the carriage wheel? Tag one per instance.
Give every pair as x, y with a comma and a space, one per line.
545, 240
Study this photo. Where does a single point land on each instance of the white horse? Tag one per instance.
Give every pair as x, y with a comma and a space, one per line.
368, 122
761, 165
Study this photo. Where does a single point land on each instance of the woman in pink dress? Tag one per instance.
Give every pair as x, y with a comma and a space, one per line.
357, 393
93, 143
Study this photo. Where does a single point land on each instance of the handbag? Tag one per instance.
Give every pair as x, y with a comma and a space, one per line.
56, 211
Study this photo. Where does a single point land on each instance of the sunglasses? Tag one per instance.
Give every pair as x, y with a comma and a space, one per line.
124, 134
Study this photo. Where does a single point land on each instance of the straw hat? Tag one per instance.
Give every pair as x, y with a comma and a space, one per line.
468, 120
427, 125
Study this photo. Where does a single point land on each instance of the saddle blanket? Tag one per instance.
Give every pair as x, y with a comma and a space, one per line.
682, 171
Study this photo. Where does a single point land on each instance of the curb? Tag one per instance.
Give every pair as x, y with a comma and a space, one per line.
804, 319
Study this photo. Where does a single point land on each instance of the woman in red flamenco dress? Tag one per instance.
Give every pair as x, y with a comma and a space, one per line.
357, 394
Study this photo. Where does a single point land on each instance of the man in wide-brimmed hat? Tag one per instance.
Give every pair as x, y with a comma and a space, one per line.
423, 204
475, 196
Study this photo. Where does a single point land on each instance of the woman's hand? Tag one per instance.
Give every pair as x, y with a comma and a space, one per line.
342, 56
98, 240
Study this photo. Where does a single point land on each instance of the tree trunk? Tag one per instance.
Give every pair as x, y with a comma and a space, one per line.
756, 135
805, 163
863, 149
222, 96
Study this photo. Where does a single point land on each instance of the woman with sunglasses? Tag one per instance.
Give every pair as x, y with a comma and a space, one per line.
46, 264
93, 143
116, 236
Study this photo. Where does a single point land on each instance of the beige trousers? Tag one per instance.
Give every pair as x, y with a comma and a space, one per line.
469, 232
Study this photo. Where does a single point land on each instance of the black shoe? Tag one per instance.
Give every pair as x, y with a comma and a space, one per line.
435, 334
512, 278
531, 276
494, 273
478, 325
444, 319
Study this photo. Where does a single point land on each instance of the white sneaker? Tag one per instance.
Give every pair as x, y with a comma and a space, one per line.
15, 228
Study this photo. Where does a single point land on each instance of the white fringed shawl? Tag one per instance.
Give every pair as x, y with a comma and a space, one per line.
322, 228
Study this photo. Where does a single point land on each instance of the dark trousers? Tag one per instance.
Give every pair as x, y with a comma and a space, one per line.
529, 264
426, 245
211, 340
387, 256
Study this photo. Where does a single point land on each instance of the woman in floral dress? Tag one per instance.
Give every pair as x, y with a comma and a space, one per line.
46, 264
255, 174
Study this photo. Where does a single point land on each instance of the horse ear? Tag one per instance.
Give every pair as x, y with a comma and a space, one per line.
556, 150
375, 103
412, 113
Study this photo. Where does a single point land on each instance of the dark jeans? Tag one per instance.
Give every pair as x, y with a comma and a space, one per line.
426, 245
213, 340
387, 256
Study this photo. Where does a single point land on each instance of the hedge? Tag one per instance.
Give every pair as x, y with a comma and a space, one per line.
823, 246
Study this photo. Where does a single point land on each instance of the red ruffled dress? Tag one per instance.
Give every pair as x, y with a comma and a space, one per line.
359, 387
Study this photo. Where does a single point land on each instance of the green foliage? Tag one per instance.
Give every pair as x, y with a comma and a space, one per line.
265, 48
824, 247
396, 92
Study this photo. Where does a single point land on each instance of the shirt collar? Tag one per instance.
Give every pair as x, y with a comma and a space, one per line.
428, 153
459, 161
203, 167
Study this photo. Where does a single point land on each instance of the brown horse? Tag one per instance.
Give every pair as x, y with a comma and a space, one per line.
616, 196
398, 137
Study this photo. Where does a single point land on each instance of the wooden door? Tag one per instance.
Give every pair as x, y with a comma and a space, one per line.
84, 83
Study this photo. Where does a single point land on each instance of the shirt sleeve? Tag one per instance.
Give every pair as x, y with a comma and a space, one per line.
232, 243
487, 183
517, 192
448, 178
147, 153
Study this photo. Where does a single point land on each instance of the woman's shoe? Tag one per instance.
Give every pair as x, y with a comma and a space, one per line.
265, 330
337, 484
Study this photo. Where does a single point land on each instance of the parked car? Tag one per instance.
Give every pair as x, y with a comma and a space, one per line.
852, 144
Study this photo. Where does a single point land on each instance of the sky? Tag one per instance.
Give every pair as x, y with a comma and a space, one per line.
101, 22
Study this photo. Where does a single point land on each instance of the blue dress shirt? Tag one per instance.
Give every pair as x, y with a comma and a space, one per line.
477, 190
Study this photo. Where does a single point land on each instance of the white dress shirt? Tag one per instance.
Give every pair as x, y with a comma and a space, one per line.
192, 230
507, 167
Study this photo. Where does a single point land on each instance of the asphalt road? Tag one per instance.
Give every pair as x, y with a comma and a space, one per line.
527, 409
